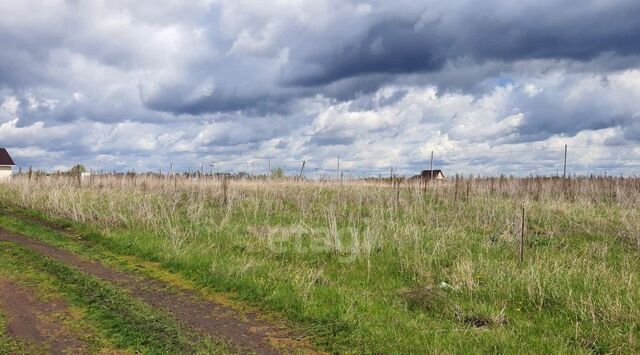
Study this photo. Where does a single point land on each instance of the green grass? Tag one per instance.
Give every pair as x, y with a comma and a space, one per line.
363, 272
119, 320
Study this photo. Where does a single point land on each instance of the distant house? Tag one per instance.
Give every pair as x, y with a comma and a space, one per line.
6, 165
436, 174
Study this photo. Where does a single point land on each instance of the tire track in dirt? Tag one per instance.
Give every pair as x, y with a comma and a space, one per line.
244, 332
30, 320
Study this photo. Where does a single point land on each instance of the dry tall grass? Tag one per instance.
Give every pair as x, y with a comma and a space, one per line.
176, 207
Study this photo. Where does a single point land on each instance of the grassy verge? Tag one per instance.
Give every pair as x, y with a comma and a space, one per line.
119, 321
370, 269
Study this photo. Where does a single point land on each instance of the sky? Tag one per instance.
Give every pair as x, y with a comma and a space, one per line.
490, 87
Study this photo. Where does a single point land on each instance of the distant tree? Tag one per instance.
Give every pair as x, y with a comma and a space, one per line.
277, 173
77, 169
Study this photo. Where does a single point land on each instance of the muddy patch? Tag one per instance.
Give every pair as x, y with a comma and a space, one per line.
481, 321
245, 332
37, 323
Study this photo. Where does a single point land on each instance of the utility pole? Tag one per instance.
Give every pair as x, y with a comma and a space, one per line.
338, 169
522, 223
171, 168
564, 173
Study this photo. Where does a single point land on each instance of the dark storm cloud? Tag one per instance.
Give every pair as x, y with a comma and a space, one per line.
176, 102
479, 32
391, 47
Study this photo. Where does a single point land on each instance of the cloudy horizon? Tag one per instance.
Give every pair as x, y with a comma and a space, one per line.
490, 88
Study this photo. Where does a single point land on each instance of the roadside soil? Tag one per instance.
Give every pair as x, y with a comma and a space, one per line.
245, 332
37, 323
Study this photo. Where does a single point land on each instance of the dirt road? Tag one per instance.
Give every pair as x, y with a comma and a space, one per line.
244, 332
39, 323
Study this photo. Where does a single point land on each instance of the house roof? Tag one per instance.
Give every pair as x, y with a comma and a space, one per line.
427, 173
5, 158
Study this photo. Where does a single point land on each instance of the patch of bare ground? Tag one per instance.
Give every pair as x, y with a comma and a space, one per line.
38, 323
245, 332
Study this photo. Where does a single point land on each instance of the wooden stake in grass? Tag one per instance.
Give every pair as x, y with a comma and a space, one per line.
564, 169
522, 234
424, 185
397, 193
468, 188
302, 169
391, 176
455, 196
225, 188
492, 187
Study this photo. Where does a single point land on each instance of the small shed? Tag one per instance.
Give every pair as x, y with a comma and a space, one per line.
436, 174
6, 165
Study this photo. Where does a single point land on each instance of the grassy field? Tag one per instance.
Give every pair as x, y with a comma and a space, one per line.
375, 267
